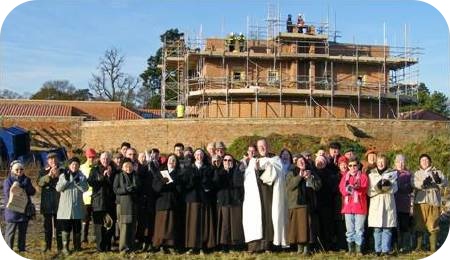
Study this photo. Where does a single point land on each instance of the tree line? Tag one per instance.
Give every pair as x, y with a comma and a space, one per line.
111, 83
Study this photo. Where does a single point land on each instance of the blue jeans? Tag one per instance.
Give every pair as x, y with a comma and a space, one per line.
354, 223
383, 238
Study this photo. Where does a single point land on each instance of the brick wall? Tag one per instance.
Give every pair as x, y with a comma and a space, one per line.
49, 131
145, 134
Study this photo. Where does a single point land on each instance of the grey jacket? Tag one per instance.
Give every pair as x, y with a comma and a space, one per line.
71, 204
432, 194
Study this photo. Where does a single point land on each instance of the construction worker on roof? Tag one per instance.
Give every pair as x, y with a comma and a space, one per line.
289, 25
300, 23
241, 41
231, 41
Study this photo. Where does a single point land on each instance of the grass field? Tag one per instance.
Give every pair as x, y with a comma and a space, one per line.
35, 243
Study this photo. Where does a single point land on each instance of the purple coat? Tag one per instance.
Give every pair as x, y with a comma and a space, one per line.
25, 183
404, 193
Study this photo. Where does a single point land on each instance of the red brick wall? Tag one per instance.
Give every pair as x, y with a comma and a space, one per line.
49, 131
145, 134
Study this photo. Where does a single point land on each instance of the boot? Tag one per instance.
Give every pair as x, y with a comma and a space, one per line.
433, 241
406, 242
351, 248
59, 243
306, 251
85, 231
77, 241
48, 241
299, 249
358, 250
65, 242
419, 240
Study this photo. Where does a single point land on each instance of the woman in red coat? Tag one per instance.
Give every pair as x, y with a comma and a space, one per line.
353, 187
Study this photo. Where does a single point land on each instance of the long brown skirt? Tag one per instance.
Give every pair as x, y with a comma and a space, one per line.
302, 227
165, 233
298, 225
200, 226
229, 226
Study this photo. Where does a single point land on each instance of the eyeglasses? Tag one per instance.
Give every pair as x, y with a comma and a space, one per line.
352, 165
227, 160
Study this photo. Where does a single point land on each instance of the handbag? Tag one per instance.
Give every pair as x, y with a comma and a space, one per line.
30, 210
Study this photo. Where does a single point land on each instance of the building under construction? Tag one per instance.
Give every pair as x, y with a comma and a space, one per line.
300, 71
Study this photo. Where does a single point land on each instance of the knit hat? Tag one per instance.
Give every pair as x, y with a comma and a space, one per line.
90, 153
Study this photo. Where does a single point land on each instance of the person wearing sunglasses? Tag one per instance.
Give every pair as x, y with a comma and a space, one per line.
229, 183
16, 220
353, 187
382, 209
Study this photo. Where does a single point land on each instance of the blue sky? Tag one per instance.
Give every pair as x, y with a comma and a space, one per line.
63, 40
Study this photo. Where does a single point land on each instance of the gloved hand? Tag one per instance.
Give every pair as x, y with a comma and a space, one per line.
349, 189
436, 178
67, 176
427, 182
379, 184
386, 183
131, 188
23, 183
165, 180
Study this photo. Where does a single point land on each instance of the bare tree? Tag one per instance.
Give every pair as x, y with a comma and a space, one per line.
9, 94
110, 82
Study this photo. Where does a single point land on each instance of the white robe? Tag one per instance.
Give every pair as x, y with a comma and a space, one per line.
251, 209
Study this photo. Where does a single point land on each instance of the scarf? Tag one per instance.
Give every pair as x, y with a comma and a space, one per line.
356, 185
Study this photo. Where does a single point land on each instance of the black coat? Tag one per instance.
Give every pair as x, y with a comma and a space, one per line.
229, 187
329, 190
146, 193
126, 188
167, 195
103, 196
49, 195
197, 184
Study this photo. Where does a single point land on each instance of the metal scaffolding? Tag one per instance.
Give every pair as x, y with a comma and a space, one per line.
185, 71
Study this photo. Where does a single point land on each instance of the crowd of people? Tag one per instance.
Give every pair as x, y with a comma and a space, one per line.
197, 201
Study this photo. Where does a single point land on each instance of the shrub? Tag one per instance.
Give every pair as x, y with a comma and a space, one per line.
296, 143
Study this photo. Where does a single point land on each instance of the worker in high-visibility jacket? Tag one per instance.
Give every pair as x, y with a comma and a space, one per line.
241, 41
86, 168
231, 42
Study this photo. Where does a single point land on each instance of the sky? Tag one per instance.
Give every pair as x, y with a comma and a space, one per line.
64, 40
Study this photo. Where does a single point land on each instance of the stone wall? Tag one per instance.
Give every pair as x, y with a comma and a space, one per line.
145, 134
